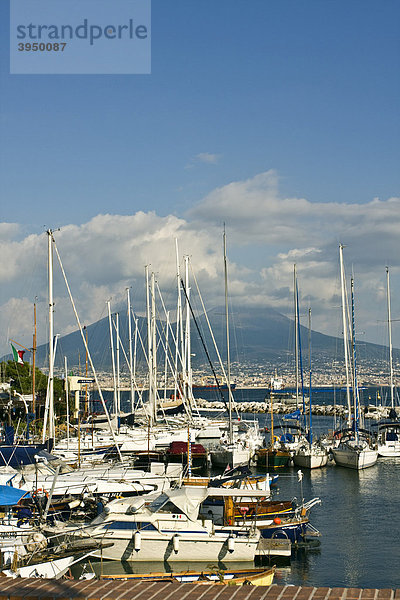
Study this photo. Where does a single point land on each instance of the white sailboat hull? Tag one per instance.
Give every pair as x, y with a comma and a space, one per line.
310, 458
53, 569
353, 458
232, 457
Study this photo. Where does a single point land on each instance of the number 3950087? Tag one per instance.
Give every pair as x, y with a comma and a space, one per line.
42, 47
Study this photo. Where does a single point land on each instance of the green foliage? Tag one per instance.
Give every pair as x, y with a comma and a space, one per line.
20, 377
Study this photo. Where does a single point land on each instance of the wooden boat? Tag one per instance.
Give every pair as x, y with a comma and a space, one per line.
259, 576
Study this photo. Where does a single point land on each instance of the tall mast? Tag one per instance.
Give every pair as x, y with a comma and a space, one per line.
354, 360
130, 350
118, 372
149, 353
166, 357
179, 331
113, 363
227, 343
51, 335
154, 347
310, 437
390, 337
34, 360
86, 373
187, 354
66, 398
296, 333
345, 336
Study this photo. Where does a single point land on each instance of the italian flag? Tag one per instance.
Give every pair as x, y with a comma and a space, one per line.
18, 355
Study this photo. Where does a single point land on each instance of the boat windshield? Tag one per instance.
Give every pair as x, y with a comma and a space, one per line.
163, 503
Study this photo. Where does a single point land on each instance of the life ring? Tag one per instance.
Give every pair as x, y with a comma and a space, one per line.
40, 492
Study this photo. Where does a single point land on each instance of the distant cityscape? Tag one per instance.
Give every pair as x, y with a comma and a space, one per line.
373, 373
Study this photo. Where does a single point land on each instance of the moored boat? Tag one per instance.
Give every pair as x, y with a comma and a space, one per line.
260, 576
165, 527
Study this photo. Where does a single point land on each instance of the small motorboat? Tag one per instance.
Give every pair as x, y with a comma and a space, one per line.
217, 576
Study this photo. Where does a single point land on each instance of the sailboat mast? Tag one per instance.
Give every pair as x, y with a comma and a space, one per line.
228, 358
66, 398
130, 349
166, 356
153, 348
187, 352
179, 330
118, 372
113, 363
354, 360
345, 331
51, 334
296, 333
149, 354
390, 337
34, 347
310, 436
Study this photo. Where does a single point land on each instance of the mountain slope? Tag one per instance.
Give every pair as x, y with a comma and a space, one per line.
256, 336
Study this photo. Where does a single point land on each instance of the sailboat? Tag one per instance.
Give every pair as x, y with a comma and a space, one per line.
355, 449
275, 455
310, 454
389, 430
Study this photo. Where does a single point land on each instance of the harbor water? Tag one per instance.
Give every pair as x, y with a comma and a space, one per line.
358, 519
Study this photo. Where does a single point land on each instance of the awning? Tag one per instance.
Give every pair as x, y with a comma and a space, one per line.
10, 496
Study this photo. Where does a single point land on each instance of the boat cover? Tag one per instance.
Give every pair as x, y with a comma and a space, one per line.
10, 496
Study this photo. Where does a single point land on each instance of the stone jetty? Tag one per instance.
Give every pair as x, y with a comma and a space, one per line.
329, 410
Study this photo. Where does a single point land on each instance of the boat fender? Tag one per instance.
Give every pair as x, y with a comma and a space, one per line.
73, 503
175, 541
277, 521
137, 541
231, 544
36, 542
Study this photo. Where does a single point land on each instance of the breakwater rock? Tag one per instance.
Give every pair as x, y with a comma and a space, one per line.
370, 412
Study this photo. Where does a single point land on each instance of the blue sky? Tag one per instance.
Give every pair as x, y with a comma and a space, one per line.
306, 90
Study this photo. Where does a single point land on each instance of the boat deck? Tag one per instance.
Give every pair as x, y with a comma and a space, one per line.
35, 589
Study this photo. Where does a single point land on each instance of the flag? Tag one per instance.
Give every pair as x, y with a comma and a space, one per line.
18, 355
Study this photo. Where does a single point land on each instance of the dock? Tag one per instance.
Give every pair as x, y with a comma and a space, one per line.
62, 589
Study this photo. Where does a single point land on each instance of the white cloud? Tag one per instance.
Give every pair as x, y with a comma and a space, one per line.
207, 158
267, 233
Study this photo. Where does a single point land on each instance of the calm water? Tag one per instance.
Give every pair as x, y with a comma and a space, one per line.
359, 526
358, 520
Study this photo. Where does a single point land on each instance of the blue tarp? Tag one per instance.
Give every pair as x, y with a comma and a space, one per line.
10, 496
294, 415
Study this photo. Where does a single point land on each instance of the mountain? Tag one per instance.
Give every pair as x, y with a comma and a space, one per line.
257, 336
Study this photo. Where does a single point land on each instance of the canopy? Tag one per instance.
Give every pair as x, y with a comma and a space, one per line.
185, 499
10, 496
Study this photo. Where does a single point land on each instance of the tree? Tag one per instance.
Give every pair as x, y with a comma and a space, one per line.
20, 378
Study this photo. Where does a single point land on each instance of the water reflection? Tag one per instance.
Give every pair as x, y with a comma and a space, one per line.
358, 522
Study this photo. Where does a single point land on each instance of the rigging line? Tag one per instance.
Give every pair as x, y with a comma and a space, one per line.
191, 399
204, 346
87, 349
126, 359
213, 337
